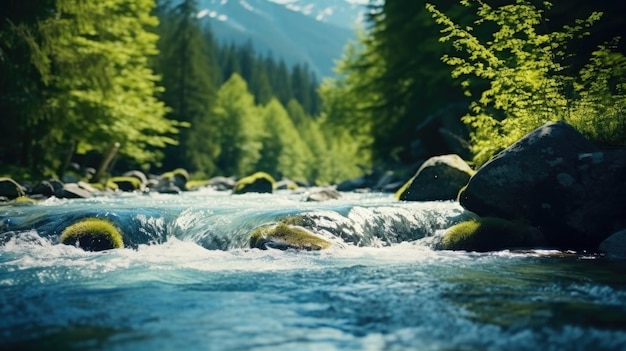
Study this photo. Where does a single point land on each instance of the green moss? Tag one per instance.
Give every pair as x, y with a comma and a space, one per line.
92, 234
283, 236
259, 182
399, 195
24, 200
461, 192
490, 234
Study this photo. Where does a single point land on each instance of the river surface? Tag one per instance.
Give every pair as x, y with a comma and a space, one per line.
187, 280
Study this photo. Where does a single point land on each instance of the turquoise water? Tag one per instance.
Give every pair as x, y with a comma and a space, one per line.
187, 281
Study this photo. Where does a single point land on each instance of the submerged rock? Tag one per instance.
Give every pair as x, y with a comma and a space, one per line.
259, 182
92, 234
284, 236
439, 178
558, 181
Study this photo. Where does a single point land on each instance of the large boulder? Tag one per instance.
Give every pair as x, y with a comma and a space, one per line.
10, 189
558, 181
439, 178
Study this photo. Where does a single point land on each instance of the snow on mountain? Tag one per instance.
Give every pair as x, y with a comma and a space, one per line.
343, 13
296, 31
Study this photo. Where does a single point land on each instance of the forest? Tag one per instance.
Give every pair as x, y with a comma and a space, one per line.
467, 77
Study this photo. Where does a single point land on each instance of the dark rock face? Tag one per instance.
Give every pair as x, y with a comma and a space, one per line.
439, 178
558, 181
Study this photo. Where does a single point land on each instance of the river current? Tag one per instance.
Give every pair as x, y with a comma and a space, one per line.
187, 280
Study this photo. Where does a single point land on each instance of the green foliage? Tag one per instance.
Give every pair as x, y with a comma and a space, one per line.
188, 71
600, 112
285, 236
238, 128
527, 82
284, 152
92, 234
86, 82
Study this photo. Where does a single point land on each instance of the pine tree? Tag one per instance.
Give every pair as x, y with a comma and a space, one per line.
186, 66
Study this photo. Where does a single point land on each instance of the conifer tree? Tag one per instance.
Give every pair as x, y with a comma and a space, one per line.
186, 68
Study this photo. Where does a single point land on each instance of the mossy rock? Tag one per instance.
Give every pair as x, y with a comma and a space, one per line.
10, 189
127, 183
491, 234
24, 200
284, 237
92, 234
179, 177
259, 182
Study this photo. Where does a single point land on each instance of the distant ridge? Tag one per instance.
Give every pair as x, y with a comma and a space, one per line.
283, 29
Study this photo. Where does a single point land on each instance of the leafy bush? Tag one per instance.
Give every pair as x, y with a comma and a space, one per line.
527, 82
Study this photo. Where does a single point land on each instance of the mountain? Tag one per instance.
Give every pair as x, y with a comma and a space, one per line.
342, 13
289, 30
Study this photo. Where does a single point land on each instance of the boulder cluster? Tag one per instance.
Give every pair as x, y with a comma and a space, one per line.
564, 191
551, 189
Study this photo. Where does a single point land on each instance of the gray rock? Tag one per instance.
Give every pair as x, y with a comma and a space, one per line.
222, 183
73, 191
324, 194
558, 181
137, 174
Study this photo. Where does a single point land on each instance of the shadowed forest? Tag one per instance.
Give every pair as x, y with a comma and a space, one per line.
465, 77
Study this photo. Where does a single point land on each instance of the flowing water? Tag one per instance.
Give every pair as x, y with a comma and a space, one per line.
188, 281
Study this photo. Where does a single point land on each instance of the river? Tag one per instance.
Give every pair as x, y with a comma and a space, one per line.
187, 280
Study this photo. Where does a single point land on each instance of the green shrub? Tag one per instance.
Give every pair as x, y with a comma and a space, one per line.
528, 84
